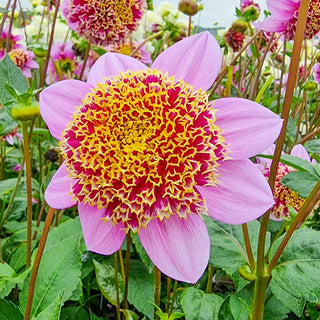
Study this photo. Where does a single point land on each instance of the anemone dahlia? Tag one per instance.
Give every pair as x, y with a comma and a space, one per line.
284, 17
23, 59
103, 22
284, 197
145, 151
13, 42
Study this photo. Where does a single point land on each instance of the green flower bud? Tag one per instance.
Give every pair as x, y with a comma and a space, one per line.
251, 13
310, 86
240, 25
189, 7
25, 112
246, 273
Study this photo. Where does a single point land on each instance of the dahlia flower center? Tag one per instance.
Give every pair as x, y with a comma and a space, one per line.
313, 21
139, 145
19, 57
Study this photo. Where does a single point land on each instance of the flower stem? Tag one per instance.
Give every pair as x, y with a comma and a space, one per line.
211, 270
262, 276
126, 278
36, 265
117, 285
157, 286
247, 243
26, 146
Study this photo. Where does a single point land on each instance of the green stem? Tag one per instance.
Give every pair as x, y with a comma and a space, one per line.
26, 147
174, 291
169, 280
211, 270
117, 285
37, 261
157, 287
247, 243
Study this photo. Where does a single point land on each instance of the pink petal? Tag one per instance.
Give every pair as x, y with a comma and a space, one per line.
58, 102
58, 191
111, 64
243, 193
178, 247
100, 236
271, 24
299, 151
196, 60
248, 126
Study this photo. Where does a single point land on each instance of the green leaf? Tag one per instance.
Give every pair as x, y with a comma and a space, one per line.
296, 277
300, 182
228, 248
198, 305
225, 310
142, 252
9, 311
129, 314
298, 163
7, 124
105, 275
52, 312
74, 313
60, 267
11, 74
93, 316
313, 146
141, 288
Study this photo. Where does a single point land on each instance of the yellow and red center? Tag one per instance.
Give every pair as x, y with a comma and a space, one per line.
313, 21
104, 22
284, 197
19, 57
138, 146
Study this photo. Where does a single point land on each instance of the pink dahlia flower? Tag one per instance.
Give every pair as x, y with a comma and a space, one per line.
144, 150
284, 197
316, 69
103, 22
13, 42
284, 16
62, 64
23, 59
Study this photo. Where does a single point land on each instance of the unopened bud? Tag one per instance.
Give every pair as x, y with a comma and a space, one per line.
240, 25
189, 7
310, 86
251, 12
25, 112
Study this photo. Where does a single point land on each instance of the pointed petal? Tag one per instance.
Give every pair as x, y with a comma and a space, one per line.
111, 64
242, 195
58, 102
196, 60
58, 191
299, 151
271, 24
179, 248
248, 126
100, 236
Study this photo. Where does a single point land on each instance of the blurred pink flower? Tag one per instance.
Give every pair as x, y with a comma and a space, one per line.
145, 150
103, 22
63, 63
23, 60
284, 197
316, 69
13, 42
284, 16
11, 135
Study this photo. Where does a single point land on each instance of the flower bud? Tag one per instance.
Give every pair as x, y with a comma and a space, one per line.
310, 86
189, 7
25, 112
251, 12
240, 25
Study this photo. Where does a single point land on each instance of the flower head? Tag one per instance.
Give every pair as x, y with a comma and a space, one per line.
63, 63
23, 59
284, 197
146, 151
13, 42
316, 69
103, 22
284, 17
234, 39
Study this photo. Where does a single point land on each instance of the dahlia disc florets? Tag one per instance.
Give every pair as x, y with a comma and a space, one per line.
103, 22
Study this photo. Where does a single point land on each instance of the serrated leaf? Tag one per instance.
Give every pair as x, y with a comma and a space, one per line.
9, 311
11, 74
228, 248
198, 305
60, 267
300, 182
105, 275
296, 277
141, 288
